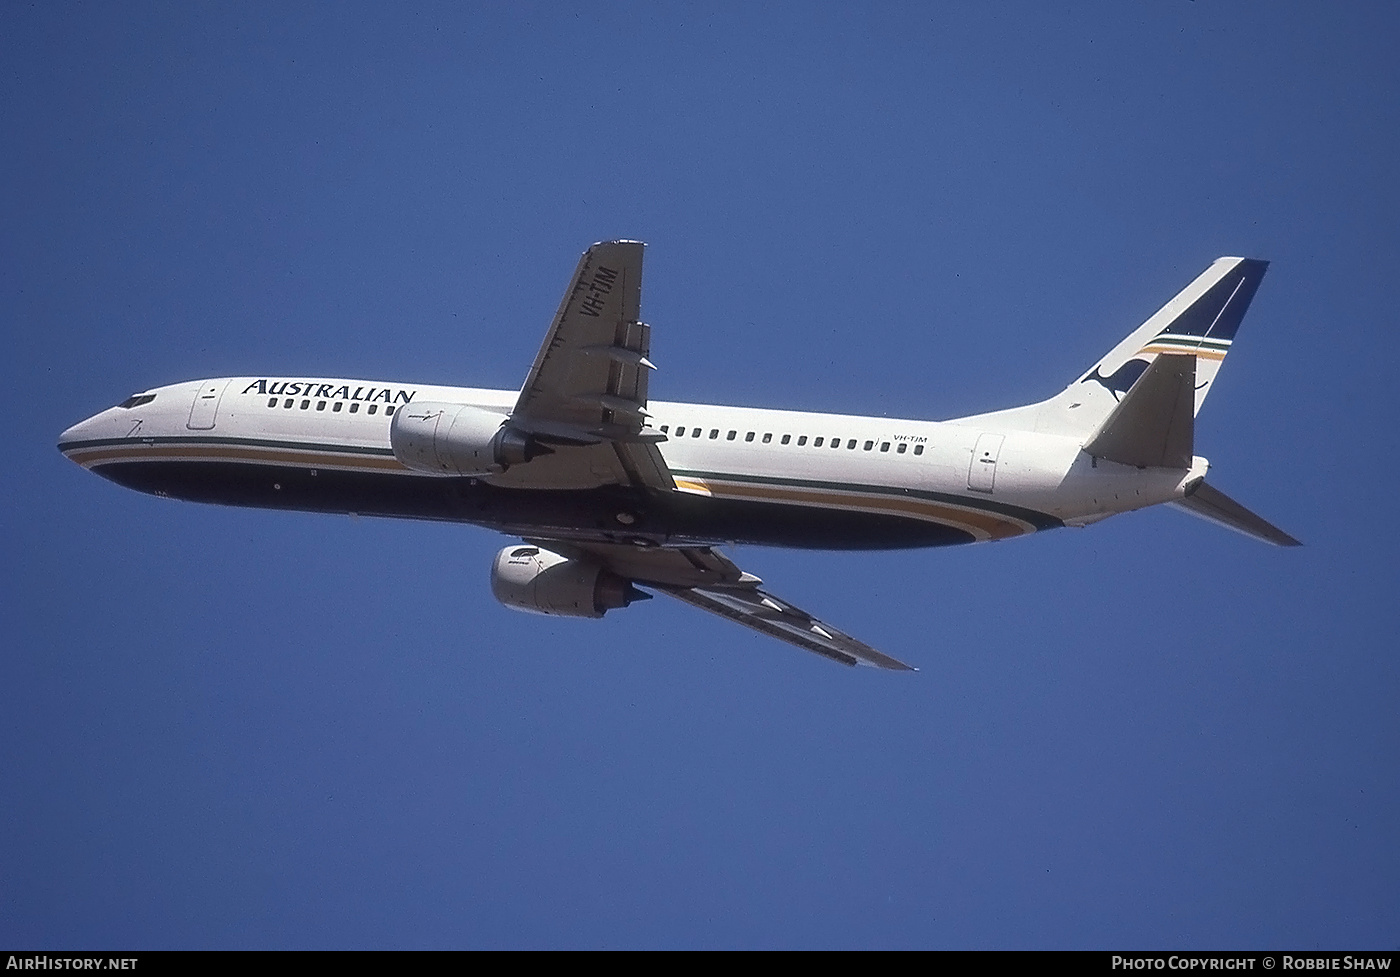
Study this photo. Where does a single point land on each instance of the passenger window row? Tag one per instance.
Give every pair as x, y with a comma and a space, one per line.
900, 446
336, 406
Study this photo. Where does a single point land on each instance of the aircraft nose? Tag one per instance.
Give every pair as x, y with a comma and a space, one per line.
79, 432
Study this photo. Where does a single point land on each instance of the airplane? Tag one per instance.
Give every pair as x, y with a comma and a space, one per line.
610, 492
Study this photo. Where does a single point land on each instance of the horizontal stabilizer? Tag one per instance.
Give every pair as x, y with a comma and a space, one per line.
1154, 425
1219, 508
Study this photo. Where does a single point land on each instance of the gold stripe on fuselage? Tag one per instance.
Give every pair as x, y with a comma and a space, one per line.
982, 525
87, 457
692, 486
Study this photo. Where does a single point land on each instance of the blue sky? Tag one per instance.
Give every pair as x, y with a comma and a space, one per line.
234, 728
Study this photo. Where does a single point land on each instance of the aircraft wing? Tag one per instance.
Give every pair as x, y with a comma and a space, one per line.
586, 394
777, 618
707, 579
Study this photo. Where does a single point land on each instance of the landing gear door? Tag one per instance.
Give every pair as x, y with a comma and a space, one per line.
206, 405
982, 473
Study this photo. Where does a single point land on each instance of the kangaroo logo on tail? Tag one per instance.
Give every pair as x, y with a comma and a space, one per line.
1122, 379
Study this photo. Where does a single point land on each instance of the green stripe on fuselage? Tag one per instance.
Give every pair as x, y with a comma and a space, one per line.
352, 449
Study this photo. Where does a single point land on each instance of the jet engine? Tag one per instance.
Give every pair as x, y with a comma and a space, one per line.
458, 439
529, 578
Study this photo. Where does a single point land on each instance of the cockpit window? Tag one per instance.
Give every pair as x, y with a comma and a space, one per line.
136, 400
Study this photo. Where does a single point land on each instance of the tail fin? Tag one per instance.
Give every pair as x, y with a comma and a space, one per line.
1200, 322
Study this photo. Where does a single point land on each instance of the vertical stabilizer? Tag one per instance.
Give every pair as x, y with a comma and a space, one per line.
1200, 322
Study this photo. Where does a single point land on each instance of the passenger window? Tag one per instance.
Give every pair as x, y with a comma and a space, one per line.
731, 435
802, 440
869, 445
918, 449
335, 407
374, 408
288, 404
884, 446
680, 432
851, 444
305, 404
901, 447
817, 443
836, 442
320, 405
714, 433
389, 410
272, 402
749, 436
787, 438
695, 432
767, 438
354, 408
665, 429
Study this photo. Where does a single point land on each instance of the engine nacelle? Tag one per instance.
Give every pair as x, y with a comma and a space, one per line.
537, 580
458, 439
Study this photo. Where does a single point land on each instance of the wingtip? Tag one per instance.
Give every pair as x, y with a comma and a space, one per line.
886, 663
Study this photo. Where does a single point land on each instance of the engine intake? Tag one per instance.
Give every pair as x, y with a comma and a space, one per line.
458, 439
530, 578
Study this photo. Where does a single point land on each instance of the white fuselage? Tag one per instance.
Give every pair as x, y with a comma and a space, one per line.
271, 439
